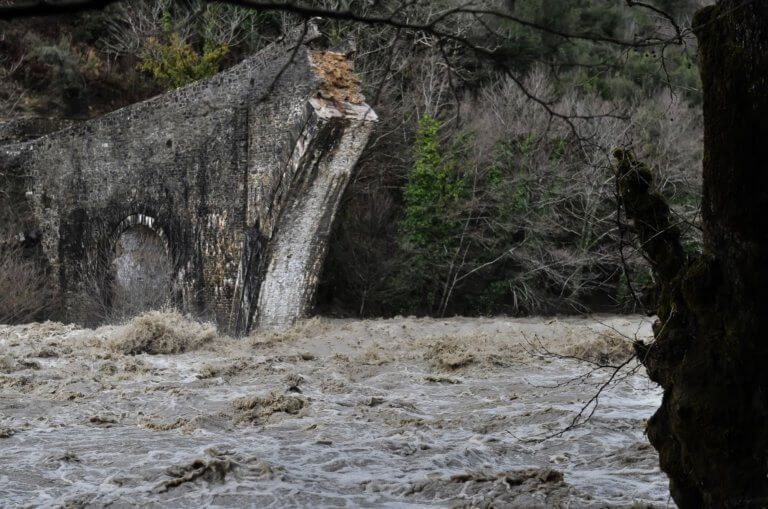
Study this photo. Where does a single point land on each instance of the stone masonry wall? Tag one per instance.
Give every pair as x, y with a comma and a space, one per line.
241, 174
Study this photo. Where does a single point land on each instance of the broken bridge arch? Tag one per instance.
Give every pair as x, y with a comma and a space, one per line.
244, 170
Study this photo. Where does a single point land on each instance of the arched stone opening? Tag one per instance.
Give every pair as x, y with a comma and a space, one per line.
142, 269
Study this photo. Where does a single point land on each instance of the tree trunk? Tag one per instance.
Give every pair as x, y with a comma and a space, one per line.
710, 352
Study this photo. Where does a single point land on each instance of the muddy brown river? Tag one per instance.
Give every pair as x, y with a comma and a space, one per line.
407, 412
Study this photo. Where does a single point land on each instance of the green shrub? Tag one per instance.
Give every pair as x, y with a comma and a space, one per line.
433, 189
175, 63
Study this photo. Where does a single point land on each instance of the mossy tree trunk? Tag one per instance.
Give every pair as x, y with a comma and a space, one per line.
710, 352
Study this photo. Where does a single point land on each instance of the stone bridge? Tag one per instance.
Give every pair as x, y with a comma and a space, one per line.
237, 177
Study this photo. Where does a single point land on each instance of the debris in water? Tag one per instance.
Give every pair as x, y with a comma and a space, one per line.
8, 364
108, 368
103, 420
294, 379
530, 488
167, 426
228, 369
29, 364
513, 478
374, 356
259, 408
214, 470
135, 366
46, 353
448, 353
375, 401
306, 356
605, 348
161, 332
441, 379
208, 371
56, 460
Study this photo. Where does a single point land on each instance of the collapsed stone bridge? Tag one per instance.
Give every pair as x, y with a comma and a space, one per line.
238, 176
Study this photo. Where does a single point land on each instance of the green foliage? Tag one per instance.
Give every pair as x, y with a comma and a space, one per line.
175, 63
602, 69
431, 227
166, 22
604, 18
432, 191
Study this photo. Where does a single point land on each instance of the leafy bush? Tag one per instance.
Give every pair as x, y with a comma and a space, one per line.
431, 227
175, 63
433, 189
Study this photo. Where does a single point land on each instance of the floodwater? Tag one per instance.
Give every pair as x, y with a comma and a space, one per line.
164, 412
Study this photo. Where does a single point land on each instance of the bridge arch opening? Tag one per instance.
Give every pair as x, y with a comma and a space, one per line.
142, 268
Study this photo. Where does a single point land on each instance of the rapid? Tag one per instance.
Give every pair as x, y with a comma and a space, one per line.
407, 412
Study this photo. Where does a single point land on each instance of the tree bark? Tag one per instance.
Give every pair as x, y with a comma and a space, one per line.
710, 352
